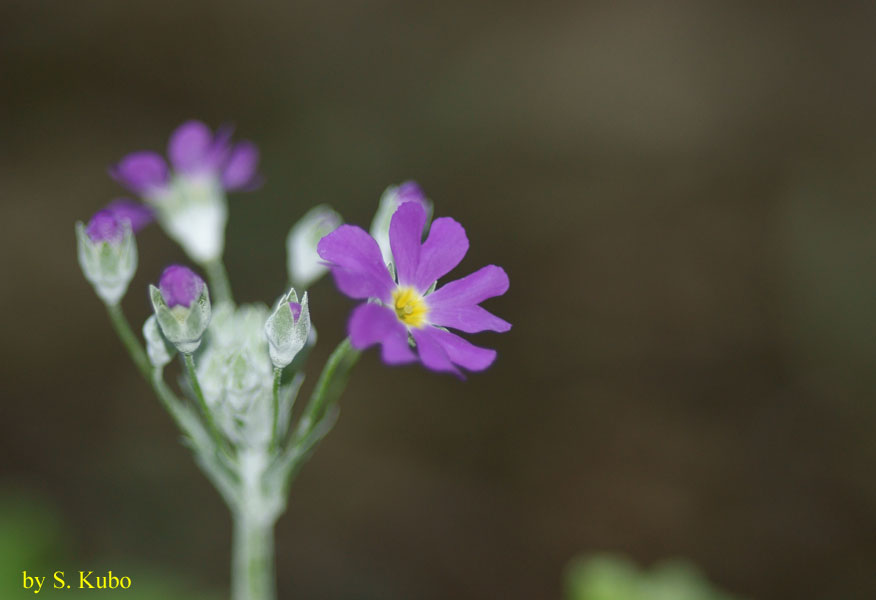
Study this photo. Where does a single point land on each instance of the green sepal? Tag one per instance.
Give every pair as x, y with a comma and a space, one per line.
183, 327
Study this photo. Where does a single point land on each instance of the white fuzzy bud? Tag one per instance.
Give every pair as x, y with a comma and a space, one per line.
302, 262
287, 332
108, 265
159, 350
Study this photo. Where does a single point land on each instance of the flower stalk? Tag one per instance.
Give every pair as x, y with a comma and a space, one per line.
129, 339
252, 558
219, 282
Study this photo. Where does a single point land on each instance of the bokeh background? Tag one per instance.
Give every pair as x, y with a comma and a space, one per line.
682, 193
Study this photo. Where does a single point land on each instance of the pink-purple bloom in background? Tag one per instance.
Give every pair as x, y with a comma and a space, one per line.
194, 151
125, 209
404, 307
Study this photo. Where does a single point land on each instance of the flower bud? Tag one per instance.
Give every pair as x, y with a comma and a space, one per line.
288, 328
182, 307
303, 263
159, 351
107, 254
392, 198
243, 379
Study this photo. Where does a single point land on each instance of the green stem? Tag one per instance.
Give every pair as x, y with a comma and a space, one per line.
129, 339
252, 558
278, 375
331, 383
220, 286
205, 410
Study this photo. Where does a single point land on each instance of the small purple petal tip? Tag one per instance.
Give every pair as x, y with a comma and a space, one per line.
105, 227
410, 191
180, 286
296, 311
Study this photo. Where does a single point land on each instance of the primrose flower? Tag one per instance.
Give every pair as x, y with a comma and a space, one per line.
189, 198
107, 251
407, 309
393, 197
182, 307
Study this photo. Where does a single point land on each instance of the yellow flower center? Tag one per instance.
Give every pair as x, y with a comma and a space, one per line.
410, 307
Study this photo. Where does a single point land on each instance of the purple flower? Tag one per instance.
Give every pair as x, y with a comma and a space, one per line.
406, 308
180, 286
125, 209
194, 151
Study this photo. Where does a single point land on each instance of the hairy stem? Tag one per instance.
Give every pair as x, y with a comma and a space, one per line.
220, 286
205, 410
278, 375
331, 383
129, 339
252, 558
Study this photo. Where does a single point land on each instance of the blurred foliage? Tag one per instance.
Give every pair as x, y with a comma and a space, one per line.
607, 577
34, 538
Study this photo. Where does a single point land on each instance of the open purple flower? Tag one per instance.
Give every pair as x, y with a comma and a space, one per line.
194, 151
405, 308
180, 286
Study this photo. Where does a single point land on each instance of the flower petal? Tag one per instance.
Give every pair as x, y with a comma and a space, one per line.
240, 169
374, 324
141, 172
125, 209
220, 147
461, 352
410, 191
470, 319
356, 263
405, 236
432, 353
189, 147
442, 250
484, 283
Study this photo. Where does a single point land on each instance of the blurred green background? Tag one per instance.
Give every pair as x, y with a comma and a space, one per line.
682, 193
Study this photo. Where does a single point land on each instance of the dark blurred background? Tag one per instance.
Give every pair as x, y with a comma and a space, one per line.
682, 193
